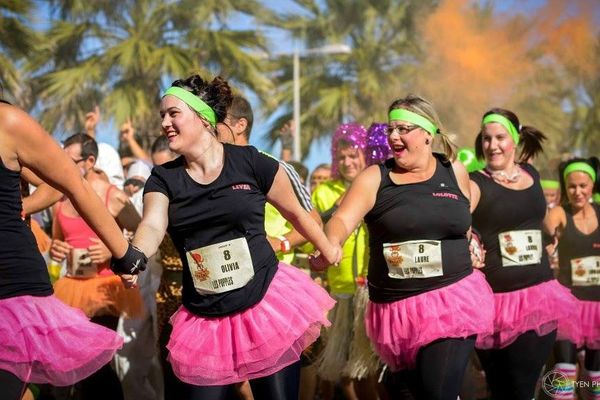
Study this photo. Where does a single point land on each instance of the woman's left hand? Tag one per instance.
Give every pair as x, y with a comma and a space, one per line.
98, 252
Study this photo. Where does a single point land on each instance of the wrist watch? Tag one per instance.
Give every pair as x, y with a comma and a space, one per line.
285, 244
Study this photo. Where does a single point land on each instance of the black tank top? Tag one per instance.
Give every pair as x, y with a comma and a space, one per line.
22, 269
503, 210
434, 209
573, 245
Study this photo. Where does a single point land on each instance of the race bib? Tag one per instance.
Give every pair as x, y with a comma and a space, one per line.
414, 259
520, 247
221, 267
585, 271
79, 264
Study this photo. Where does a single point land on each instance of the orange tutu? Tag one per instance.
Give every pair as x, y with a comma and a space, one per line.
102, 295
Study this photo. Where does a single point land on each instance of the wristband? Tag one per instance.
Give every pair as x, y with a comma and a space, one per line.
131, 263
285, 246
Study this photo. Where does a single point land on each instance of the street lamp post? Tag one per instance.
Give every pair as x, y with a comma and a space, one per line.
328, 49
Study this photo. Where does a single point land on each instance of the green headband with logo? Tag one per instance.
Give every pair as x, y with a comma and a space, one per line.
550, 184
581, 167
195, 102
400, 114
505, 122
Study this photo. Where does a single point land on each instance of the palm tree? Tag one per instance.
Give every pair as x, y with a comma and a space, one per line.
121, 55
356, 86
16, 40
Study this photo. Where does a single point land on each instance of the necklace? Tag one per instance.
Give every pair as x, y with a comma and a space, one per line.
503, 177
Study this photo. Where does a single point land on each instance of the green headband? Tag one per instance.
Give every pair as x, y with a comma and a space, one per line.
550, 184
505, 122
195, 102
400, 114
581, 167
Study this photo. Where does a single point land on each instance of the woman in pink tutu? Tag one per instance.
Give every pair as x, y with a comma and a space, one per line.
245, 316
576, 222
41, 339
508, 208
426, 303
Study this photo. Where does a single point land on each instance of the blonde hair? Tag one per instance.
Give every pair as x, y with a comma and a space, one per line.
424, 108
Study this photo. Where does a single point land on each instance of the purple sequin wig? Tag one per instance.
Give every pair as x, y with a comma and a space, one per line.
378, 149
346, 135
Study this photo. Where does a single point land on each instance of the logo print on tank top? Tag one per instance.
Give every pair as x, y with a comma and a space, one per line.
241, 186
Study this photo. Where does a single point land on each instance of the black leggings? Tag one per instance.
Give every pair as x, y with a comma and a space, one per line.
11, 387
104, 383
512, 372
282, 385
566, 352
438, 374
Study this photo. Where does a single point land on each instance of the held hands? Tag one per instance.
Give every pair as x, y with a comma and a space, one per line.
131, 263
320, 260
477, 252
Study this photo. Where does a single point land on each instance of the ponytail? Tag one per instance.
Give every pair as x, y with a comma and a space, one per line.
531, 142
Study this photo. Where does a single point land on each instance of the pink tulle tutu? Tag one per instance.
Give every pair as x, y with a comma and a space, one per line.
399, 329
584, 328
537, 308
42, 340
253, 343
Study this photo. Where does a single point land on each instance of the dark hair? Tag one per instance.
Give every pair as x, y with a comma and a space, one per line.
424, 108
240, 108
530, 138
592, 162
300, 169
161, 143
217, 94
89, 147
323, 166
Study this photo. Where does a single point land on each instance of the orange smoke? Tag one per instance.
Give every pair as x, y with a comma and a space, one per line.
475, 58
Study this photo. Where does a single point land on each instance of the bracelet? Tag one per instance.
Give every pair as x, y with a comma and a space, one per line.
285, 244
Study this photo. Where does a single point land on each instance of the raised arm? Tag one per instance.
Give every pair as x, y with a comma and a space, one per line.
151, 230
43, 197
358, 201
36, 150
282, 197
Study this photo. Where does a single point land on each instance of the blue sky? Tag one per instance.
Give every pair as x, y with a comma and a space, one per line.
281, 42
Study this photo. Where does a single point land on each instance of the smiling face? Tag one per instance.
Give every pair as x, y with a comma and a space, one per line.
579, 187
408, 143
350, 161
498, 146
180, 124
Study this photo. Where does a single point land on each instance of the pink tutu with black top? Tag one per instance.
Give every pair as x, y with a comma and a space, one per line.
537, 308
399, 329
254, 343
42, 340
583, 329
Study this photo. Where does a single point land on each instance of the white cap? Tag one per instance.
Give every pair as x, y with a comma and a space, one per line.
138, 169
110, 162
